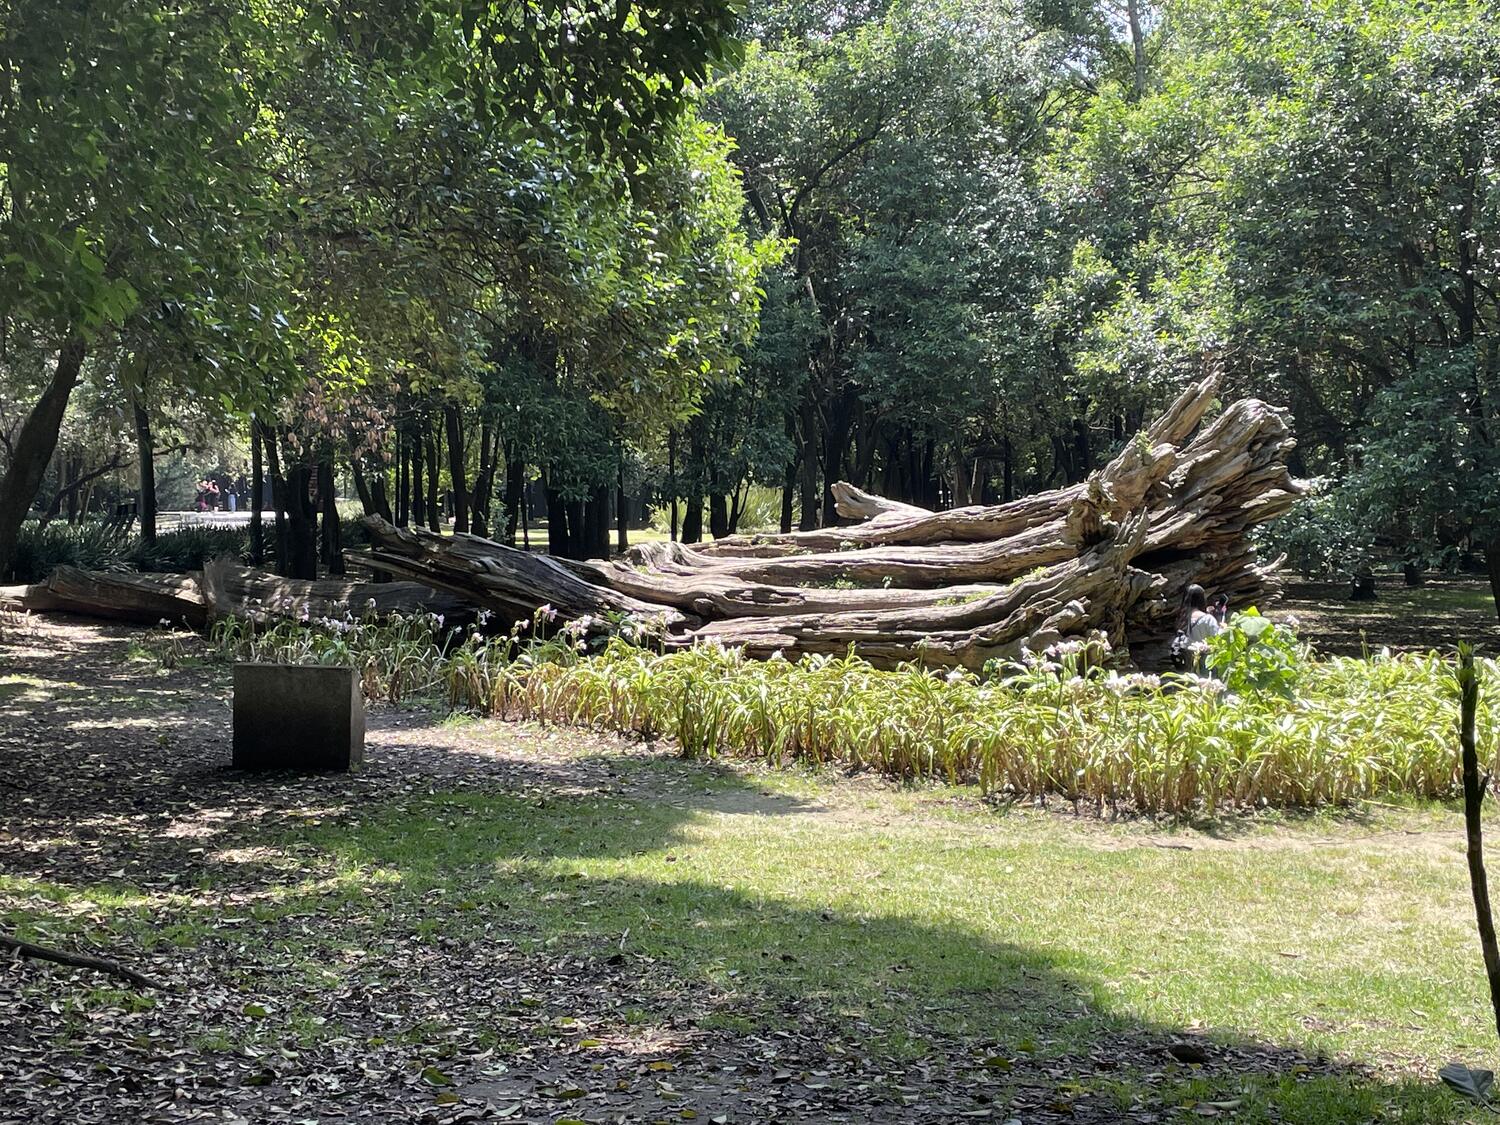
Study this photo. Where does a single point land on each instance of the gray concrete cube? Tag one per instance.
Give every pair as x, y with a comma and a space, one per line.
297, 716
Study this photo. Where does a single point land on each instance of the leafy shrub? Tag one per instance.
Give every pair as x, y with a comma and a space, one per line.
1280, 729
1324, 535
91, 545
1254, 654
188, 548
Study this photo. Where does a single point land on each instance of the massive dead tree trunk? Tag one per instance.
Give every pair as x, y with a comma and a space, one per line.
1113, 552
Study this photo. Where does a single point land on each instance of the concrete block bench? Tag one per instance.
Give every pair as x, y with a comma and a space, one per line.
297, 716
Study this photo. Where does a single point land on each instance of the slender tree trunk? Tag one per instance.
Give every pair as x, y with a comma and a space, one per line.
559, 542
808, 469
418, 490
33, 448
455, 425
379, 496
257, 498
332, 542
672, 479
484, 485
788, 499
280, 499
434, 504
622, 521
145, 452
718, 515
1474, 790
515, 490
361, 486
403, 482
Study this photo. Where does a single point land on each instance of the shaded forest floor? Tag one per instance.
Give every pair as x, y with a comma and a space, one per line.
1443, 610
513, 923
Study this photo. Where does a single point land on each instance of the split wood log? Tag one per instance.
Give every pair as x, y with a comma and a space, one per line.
233, 590
1115, 552
142, 598
224, 588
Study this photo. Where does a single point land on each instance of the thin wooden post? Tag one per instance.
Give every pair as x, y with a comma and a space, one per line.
1474, 790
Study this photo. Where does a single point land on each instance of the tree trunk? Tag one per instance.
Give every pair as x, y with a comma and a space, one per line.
332, 544
257, 497
455, 424
434, 504
145, 453
1492, 563
622, 537
403, 483
302, 526
1475, 786
418, 492
579, 544
33, 448
718, 515
279, 497
692, 520
515, 487
672, 480
807, 465
362, 487
559, 542
484, 485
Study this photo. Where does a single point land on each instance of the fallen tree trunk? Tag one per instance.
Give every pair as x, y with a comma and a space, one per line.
1113, 553
143, 598
224, 588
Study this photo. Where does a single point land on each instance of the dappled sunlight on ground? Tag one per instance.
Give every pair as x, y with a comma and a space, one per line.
545, 923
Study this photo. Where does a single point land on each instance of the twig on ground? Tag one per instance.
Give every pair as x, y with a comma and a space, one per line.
78, 960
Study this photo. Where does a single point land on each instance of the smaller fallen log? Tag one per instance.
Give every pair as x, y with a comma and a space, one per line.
231, 589
146, 599
224, 588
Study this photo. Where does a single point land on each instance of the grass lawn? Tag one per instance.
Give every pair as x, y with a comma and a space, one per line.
525, 918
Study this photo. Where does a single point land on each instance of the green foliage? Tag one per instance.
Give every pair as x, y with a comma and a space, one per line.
1290, 732
188, 548
90, 546
1324, 535
93, 545
1253, 654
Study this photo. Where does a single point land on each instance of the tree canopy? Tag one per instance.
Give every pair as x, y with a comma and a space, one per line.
473, 260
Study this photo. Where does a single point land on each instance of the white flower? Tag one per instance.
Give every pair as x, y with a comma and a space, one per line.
546, 613
955, 675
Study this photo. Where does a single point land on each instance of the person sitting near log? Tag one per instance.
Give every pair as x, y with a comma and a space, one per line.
1195, 625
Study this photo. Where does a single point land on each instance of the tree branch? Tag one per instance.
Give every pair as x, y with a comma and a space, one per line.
79, 961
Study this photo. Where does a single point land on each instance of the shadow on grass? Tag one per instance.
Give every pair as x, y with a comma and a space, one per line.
449, 909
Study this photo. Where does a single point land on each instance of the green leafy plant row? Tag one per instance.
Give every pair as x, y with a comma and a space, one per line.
1270, 728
